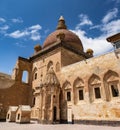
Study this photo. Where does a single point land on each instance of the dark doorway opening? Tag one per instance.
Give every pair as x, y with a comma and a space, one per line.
54, 114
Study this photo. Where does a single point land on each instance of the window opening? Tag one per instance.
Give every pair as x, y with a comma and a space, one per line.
115, 92
97, 92
81, 97
68, 96
18, 117
35, 76
25, 77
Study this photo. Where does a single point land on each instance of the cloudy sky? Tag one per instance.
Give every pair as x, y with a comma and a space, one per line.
25, 23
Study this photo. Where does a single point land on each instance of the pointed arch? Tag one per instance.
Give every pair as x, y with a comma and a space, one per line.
94, 79
94, 87
66, 85
111, 76
111, 84
49, 65
67, 90
78, 90
78, 82
35, 74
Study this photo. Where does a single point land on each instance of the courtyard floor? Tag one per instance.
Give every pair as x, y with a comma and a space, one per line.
35, 126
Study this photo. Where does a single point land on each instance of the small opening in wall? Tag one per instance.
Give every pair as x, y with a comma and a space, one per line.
25, 77
35, 76
18, 117
115, 92
81, 97
97, 92
68, 96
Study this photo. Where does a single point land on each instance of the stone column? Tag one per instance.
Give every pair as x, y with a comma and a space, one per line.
51, 103
69, 115
43, 105
58, 108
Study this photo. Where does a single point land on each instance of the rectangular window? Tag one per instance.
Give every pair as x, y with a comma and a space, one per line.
97, 92
68, 96
115, 92
81, 97
18, 116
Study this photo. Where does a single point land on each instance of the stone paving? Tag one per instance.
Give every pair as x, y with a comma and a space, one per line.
35, 126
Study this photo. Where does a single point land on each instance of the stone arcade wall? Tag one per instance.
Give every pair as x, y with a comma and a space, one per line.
98, 71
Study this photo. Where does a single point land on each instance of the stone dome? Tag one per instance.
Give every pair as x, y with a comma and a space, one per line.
70, 37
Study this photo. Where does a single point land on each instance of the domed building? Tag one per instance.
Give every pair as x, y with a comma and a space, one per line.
66, 84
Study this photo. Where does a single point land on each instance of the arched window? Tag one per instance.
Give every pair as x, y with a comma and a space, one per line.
78, 89
67, 91
25, 76
57, 67
94, 88
50, 64
111, 84
35, 73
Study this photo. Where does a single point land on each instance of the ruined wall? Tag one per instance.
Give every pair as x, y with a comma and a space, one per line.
13, 96
13, 91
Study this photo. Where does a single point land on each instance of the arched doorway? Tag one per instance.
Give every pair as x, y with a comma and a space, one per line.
54, 113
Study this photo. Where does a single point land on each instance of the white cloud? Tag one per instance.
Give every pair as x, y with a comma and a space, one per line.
110, 15
95, 27
4, 28
84, 20
17, 20
107, 27
35, 36
111, 27
35, 27
18, 34
2, 20
30, 32
98, 44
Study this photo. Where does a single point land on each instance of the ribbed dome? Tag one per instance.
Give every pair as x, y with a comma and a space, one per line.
70, 37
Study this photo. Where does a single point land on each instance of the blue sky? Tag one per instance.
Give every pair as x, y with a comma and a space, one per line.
25, 23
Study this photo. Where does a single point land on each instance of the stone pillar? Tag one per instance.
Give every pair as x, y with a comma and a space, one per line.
69, 115
51, 108
58, 108
43, 105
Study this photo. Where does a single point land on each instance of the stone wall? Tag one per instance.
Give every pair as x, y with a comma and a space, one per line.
98, 71
13, 91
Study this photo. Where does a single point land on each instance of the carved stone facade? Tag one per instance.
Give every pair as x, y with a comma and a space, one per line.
66, 84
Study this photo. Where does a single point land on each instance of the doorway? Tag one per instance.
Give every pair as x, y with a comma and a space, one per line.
54, 113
